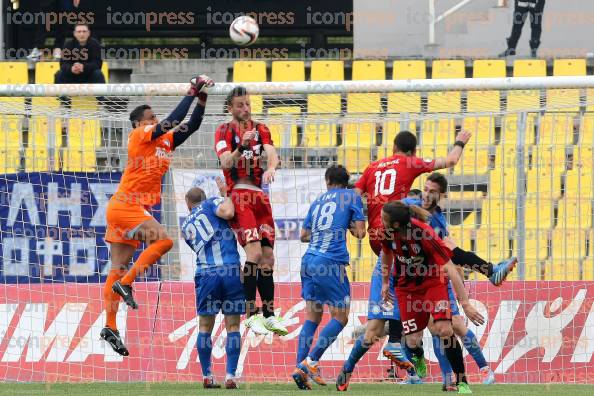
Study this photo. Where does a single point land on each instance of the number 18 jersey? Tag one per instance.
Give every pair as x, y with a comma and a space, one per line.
386, 180
329, 218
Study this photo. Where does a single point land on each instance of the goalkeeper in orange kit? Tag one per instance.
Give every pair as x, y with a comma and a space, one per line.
129, 222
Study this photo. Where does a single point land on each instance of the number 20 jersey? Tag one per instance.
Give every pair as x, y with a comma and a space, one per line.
210, 236
386, 180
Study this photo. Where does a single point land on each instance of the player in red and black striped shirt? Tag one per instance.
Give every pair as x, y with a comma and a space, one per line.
420, 261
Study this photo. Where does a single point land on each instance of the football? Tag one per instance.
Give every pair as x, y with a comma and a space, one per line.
244, 30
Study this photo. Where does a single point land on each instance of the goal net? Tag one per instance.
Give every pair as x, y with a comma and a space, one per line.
523, 187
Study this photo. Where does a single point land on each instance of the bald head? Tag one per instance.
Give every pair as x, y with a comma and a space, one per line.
194, 196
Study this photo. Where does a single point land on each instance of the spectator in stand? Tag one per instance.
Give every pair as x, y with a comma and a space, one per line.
62, 28
81, 61
522, 9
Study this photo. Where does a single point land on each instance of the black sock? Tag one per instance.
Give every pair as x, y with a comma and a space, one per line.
418, 351
472, 261
453, 352
266, 290
250, 282
395, 330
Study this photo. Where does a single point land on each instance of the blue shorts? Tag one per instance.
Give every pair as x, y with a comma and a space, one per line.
375, 310
220, 290
453, 303
325, 281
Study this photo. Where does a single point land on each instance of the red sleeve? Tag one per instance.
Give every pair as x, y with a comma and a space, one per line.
265, 136
423, 165
435, 247
361, 184
223, 138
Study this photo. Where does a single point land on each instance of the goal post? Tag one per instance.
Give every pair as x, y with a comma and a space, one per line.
523, 187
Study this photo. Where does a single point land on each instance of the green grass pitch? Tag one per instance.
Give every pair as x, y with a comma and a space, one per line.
188, 389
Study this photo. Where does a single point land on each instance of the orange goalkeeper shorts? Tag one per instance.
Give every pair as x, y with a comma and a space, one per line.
123, 220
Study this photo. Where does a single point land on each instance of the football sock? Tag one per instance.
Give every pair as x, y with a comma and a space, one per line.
111, 300
265, 284
474, 349
444, 363
453, 351
250, 282
204, 344
233, 349
326, 338
395, 331
148, 257
472, 261
305, 339
359, 349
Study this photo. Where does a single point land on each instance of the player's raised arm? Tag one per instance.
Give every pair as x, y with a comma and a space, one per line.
199, 88
454, 155
461, 295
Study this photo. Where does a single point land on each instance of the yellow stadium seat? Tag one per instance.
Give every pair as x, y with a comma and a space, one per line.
470, 221
583, 157
10, 131
526, 99
498, 213
544, 182
45, 74
10, 160
105, 70
475, 161
537, 244
84, 133
587, 129
492, 244
283, 125
13, 73
288, 71
489, 68
588, 264
433, 151
354, 159
568, 244
549, 158
556, 128
77, 160
323, 104
319, 133
358, 134
486, 100
251, 71
562, 270
84, 103
366, 102
391, 129
406, 102
482, 129
38, 160
327, 70
436, 132
446, 102
578, 183
506, 156
509, 129
532, 271
539, 212
462, 236
574, 214
566, 100
39, 132
367, 261
502, 182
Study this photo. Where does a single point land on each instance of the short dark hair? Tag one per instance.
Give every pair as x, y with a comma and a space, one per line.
82, 24
414, 193
137, 114
337, 175
405, 142
195, 195
398, 212
440, 179
238, 90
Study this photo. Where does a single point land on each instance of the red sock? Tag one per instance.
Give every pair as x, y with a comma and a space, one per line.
148, 257
112, 300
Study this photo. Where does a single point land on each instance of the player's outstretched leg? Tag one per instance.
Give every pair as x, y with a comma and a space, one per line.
502, 270
496, 273
112, 337
394, 349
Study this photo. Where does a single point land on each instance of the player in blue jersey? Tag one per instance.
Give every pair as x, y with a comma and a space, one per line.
434, 189
324, 279
217, 280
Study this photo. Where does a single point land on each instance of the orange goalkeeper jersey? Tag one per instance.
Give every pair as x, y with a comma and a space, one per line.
148, 161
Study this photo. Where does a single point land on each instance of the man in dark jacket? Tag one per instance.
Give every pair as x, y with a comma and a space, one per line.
81, 59
522, 9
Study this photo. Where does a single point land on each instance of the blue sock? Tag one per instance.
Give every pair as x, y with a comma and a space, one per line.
444, 363
233, 348
204, 344
305, 339
474, 349
359, 349
326, 338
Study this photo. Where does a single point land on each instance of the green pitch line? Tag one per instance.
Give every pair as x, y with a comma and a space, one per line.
189, 389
